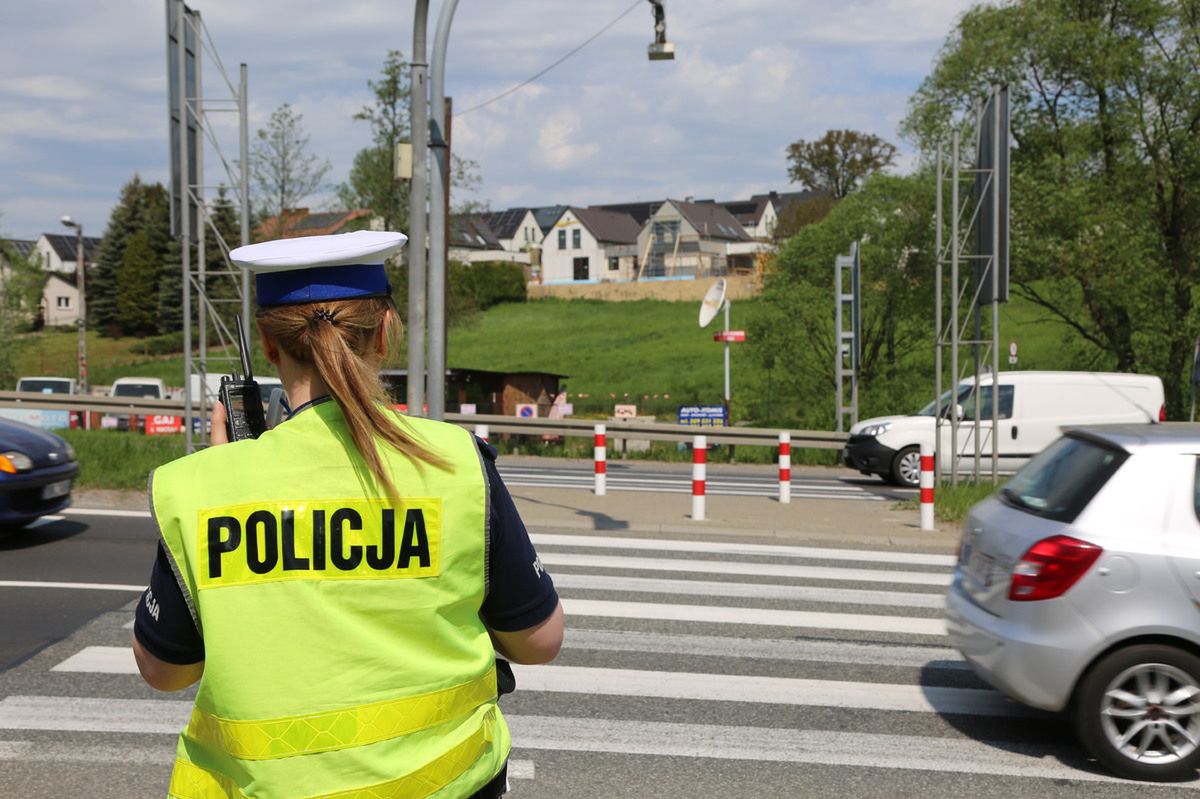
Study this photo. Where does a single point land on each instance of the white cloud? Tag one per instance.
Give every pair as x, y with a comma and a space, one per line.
46, 87
561, 143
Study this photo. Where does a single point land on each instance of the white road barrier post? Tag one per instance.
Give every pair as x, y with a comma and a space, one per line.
785, 467
600, 455
481, 431
699, 459
927, 487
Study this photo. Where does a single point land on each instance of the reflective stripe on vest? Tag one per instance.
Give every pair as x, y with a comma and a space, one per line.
189, 781
339, 729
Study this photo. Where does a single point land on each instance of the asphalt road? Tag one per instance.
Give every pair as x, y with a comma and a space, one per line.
697, 668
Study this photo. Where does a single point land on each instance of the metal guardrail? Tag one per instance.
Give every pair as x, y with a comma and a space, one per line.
577, 428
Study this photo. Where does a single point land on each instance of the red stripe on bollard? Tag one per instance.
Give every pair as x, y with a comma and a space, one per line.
785, 475
927, 495
600, 440
697, 488
927, 463
601, 467
785, 448
699, 456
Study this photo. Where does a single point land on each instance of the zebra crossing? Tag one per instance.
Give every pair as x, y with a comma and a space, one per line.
749, 664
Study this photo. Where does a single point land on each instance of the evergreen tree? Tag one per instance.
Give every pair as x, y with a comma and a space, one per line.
142, 208
138, 270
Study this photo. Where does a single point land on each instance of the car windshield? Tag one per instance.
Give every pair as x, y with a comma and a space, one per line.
45, 386
966, 401
135, 390
1061, 480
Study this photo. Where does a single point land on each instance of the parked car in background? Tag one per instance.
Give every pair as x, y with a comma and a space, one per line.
37, 470
1034, 407
47, 385
1078, 588
152, 387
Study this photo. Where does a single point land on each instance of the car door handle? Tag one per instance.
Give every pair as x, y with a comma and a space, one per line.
1014, 432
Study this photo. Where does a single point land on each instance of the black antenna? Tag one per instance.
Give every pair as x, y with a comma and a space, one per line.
243, 349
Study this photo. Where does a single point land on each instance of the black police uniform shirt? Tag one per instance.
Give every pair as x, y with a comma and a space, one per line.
520, 592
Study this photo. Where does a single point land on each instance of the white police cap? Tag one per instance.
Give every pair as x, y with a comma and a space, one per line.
316, 268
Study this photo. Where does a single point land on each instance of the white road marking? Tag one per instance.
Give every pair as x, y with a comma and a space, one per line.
734, 548
521, 769
128, 514
100, 660
161, 756
686, 488
75, 586
709, 614
797, 593
812, 650
825, 747
744, 567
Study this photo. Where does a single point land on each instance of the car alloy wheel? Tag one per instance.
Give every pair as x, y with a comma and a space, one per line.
906, 467
1139, 712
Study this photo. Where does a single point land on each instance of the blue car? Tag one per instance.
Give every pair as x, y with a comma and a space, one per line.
37, 470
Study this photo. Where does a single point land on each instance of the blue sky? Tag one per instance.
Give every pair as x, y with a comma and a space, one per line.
83, 93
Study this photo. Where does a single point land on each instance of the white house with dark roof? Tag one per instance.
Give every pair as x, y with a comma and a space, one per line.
590, 245
472, 240
685, 240
517, 229
60, 298
58, 252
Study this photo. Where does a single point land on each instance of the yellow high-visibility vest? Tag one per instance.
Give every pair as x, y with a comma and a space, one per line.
344, 653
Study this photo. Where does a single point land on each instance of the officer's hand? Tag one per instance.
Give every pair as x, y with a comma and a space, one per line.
217, 435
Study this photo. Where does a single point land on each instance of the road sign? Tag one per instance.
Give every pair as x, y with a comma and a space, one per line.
527, 410
729, 335
702, 415
625, 411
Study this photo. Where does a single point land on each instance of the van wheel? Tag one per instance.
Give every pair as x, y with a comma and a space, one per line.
906, 468
1138, 712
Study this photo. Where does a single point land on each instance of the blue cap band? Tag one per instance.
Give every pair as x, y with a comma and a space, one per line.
320, 283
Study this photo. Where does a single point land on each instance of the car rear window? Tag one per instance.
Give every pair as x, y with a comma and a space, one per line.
136, 390
1061, 480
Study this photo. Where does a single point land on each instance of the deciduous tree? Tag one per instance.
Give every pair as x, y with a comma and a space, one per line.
838, 162
1106, 172
282, 169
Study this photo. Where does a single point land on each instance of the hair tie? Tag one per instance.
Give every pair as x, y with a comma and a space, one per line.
322, 315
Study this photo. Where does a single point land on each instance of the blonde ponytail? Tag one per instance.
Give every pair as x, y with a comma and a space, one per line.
338, 338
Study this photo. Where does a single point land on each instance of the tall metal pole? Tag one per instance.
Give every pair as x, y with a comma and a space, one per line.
955, 155
437, 216
937, 303
185, 221
419, 113
244, 181
996, 266
81, 279
728, 417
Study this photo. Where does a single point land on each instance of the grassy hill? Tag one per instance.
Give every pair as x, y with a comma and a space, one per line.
651, 353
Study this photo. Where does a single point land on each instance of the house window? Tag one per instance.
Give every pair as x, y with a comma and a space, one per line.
528, 235
583, 269
614, 263
63, 302
576, 239
562, 239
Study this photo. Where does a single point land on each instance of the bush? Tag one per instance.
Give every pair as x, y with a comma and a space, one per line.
168, 344
494, 282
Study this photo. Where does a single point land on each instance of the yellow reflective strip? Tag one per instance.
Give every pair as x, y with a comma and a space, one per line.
340, 729
189, 781
431, 777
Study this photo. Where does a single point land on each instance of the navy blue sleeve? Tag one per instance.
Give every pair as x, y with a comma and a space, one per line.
163, 624
520, 592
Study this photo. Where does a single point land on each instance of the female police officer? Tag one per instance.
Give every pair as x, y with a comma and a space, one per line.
340, 582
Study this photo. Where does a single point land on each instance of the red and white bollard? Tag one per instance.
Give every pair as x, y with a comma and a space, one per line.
481, 432
926, 486
785, 468
600, 455
699, 459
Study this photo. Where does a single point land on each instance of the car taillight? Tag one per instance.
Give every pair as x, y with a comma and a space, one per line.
1050, 567
1162, 413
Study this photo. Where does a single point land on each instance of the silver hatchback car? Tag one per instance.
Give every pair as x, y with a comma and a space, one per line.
1078, 588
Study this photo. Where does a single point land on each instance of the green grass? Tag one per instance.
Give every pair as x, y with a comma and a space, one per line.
951, 503
119, 459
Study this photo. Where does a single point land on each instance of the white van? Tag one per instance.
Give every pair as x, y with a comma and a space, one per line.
47, 385
1034, 407
151, 387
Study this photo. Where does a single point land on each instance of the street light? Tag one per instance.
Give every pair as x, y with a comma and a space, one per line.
661, 49
79, 279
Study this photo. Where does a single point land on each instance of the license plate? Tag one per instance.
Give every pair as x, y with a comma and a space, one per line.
59, 489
